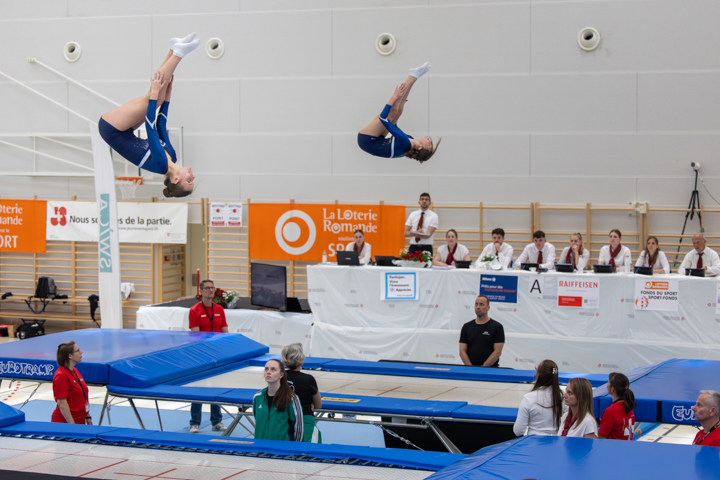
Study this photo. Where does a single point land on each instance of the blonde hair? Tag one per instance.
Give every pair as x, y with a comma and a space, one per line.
582, 389
293, 356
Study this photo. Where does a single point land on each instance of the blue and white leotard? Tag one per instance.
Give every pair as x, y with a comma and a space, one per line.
394, 147
146, 154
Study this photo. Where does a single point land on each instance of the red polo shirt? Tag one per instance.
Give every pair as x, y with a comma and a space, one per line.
66, 386
712, 440
200, 316
616, 424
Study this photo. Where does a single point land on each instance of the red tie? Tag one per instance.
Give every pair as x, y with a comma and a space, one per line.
540, 257
699, 264
419, 227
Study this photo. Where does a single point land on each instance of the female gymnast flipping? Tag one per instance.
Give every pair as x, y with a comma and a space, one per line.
154, 154
372, 138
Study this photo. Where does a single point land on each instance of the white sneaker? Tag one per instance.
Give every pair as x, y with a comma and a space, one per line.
194, 428
219, 427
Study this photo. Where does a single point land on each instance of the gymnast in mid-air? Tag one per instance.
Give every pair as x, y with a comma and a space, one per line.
372, 139
155, 154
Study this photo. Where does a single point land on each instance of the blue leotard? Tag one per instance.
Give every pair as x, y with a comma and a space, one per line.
146, 154
394, 147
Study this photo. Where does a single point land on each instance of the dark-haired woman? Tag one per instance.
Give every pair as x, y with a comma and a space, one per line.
618, 420
360, 246
155, 154
541, 410
305, 388
277, 410
69, 388
372, 139
451, 251
652, 256
579, 420
615, 254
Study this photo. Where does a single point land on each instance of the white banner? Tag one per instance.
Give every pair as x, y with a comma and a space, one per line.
161, 222
578, 293
226, 215
656, 295
105, 231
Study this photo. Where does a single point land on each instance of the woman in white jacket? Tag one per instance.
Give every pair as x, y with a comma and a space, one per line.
541, 410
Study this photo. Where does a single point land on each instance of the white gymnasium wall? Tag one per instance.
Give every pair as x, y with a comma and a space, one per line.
525, 114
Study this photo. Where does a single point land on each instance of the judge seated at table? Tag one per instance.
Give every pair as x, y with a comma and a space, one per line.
575, 254
701, 257
361, 247
451, 251
652, 256
502, 251
540, 251
615, 254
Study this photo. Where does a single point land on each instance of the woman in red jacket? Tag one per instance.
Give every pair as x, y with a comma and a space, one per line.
69, 388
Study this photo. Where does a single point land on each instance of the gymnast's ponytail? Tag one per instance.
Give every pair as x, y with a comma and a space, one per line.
174, 190
547, 376
621, 384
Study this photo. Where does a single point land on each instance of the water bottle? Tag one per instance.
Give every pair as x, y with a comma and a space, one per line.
324, 257
628, 266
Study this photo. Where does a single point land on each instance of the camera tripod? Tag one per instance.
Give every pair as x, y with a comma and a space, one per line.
693, 208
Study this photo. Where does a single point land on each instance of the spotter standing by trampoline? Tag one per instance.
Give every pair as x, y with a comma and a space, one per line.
155, 154
371, 139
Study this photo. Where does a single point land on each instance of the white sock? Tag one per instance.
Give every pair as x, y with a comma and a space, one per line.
420, 71
182, 49
188, 39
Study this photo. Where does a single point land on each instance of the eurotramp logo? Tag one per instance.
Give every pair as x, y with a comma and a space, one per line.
288, 230
680, 413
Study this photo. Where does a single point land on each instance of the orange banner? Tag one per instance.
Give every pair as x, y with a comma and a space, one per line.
301, 232
22, 226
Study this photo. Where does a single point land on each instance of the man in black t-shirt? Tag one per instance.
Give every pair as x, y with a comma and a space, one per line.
482, 339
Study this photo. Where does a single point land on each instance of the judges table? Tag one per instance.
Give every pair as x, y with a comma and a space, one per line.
585, 322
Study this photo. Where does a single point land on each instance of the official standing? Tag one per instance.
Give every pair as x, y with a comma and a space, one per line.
482, 339
421, 225
69, 388
207, 316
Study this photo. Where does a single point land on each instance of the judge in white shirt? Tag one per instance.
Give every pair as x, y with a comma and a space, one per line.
652, 256
615, 254
498, 249
540, 251
360, 246
451, 251
421, 225
575, 254
701, 257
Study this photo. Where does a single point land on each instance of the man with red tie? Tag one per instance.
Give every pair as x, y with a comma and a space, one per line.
421, 225
701, 257
540, 251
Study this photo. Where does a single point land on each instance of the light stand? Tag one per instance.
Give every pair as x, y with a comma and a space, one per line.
692, 207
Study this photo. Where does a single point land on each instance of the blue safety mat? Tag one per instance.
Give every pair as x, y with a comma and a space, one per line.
331, 401
10, 415
136, 437
35, 358
560, 458
665, 392
311, 363
480, 412
454, 372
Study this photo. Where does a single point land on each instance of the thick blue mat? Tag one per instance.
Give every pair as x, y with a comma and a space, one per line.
562, 458
665, 392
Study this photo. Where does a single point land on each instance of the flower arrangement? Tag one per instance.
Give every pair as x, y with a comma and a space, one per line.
222, 297
487, 258
417, 256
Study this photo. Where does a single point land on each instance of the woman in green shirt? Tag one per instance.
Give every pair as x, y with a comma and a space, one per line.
277, 410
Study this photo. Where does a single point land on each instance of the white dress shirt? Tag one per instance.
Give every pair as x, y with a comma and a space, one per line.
459, 254
620, 258
582, 261
536, 414
588, 425
506, 253
530, 255
660, 262
710, 260
363, 254
429, 220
